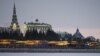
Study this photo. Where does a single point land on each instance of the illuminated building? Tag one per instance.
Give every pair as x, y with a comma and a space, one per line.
40, 27
14, 24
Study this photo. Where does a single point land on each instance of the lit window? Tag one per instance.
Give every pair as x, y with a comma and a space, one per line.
14, 26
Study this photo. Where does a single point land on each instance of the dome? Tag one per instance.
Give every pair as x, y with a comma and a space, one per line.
78, 34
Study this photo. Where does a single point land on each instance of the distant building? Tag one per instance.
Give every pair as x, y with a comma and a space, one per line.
14, 24
2, 29
78, 34
91, 38
64, 35
40, 27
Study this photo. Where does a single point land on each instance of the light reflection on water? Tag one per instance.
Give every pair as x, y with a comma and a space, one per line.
49, 54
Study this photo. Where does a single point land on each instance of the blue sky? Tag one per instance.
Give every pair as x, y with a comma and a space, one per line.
63, 15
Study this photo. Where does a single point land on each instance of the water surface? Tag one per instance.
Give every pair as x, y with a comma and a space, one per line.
49, 54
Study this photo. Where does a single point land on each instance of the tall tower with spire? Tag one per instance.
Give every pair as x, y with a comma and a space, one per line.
14, 24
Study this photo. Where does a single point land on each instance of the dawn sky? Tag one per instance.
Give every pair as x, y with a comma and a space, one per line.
63, 15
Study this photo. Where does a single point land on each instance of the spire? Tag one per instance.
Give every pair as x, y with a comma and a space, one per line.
77, 30
14, 17
14, 10
14, 23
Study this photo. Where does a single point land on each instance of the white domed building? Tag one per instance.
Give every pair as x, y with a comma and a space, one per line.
40, 27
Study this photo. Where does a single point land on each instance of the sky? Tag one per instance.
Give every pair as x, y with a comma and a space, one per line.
63, 15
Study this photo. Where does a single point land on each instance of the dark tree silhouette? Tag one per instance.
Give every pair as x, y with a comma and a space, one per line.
51, 35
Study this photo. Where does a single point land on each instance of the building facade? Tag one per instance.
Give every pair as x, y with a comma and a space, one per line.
40, 27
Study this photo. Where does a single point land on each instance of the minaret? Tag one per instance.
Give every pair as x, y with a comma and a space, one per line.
14, 24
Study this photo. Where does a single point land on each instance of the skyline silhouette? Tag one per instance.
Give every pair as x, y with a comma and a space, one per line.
62, 15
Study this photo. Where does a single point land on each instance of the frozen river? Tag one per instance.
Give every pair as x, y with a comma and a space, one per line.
49, 54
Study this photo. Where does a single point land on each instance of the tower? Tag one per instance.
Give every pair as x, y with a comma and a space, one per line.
78, 34
77, 31
14, 24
